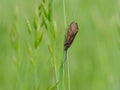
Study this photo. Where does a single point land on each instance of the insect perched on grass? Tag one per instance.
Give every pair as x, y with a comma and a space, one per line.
71, 33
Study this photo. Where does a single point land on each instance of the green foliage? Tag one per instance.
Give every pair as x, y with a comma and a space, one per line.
31, 44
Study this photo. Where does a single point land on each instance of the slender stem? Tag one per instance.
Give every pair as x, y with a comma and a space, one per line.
64, 12
68, 71
61, 72
65, 52
68, 62
64, 61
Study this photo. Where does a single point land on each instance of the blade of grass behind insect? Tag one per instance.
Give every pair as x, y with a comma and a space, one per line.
61, 85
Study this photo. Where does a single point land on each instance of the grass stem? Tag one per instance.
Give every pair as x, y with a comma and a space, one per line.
64, 13
68, 68
62, 72
68, 71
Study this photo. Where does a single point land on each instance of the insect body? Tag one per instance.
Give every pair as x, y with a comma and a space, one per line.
71, 33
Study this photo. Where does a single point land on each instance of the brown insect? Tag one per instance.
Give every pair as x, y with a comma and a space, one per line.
71, 33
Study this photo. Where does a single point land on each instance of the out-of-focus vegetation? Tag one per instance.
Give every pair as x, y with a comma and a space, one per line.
28, 62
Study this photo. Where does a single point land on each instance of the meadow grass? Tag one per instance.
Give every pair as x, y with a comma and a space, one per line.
32, 34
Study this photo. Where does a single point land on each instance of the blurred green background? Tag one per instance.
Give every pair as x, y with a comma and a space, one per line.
94, 56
